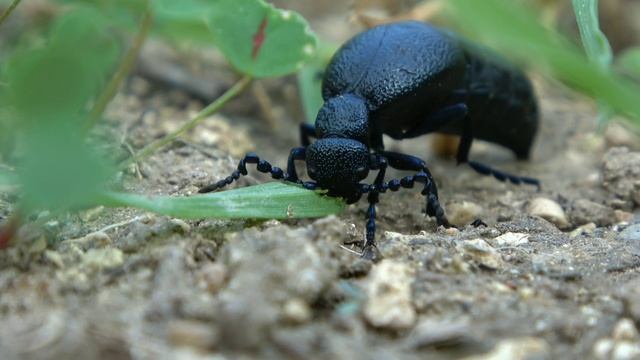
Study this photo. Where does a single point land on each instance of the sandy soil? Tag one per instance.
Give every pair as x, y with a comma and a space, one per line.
553, 275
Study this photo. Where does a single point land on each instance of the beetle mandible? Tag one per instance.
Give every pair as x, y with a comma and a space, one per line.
405, 80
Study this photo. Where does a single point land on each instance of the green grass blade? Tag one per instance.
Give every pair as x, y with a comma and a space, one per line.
272, 200
594, 41
533, 44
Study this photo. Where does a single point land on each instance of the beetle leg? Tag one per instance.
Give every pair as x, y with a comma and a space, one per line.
298, 153
370, 250
430, 190
503, 176
263, 166
307, 131
463, 157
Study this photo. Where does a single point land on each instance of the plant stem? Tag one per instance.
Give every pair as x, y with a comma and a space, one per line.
203, 114
123, 69
9, 10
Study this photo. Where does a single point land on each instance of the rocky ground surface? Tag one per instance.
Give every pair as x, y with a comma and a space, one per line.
554, 274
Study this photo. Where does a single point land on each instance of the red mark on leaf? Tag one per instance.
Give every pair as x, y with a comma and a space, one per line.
258, 38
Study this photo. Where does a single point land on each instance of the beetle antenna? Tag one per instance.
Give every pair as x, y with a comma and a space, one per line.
263, 166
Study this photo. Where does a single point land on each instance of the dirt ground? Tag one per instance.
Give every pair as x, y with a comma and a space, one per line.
553, 275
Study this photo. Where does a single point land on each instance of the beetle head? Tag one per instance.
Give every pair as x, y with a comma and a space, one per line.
344, 116
338, 165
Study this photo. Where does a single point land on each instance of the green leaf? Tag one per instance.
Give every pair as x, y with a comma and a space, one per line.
531, 43
310, 80
594, 41
629, 61
7, 178
49, 88
260, 40
184, 20
121, 13
273, 200
60, 78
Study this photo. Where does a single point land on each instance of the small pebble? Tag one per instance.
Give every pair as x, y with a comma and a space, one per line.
625, 330
94, 240
602, 348
463, 213
626, 351
583, 230
617, 134
630, 233
452, 231
516, 349
55, 258
623, 344
97, 259
550, 211
212, 277
434, 333
296, 311
191, 333
481, 253
510, 239
91, 214
583, 211
396, 245
622, 216
621, 177
180, 226
389, 296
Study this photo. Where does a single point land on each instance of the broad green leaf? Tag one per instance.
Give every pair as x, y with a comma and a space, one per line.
7, 178
184, 20
266, 201
49, 88
533, 44
259, 39
629, 62
310, 80
60, 78
60, 169
121, 13
309, 85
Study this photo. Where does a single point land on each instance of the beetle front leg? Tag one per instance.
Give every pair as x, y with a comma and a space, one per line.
263, 166
370, 250
298, 153
430, 190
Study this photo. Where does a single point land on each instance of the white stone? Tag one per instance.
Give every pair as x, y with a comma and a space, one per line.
389, 296
510, 239
550, 211
482, 253
516, 349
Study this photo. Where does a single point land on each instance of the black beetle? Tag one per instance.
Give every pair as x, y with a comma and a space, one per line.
405, 80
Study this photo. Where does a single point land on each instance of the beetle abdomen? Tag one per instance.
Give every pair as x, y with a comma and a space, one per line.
502, 105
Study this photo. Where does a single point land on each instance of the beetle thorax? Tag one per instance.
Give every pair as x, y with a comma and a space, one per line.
344, 116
